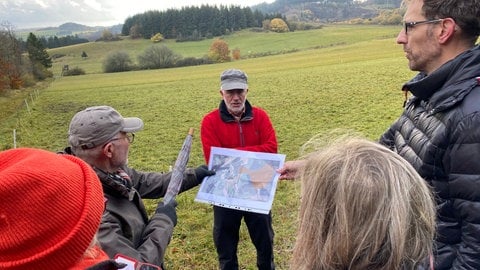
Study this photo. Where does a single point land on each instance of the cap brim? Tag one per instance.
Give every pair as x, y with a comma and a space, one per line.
234, 85
132, 124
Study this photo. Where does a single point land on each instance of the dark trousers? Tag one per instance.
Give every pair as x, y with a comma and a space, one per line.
226, 227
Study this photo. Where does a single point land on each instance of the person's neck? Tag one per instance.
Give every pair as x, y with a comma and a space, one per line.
238, 115
105, 167
453, 50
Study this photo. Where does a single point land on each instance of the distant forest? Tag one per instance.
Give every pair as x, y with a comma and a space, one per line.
193, 22
55, 42
280, 5
326, 11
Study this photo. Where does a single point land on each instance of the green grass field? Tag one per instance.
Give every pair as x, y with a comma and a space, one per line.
342, 77
249, 43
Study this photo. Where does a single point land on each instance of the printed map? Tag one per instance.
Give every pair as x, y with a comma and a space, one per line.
244, 180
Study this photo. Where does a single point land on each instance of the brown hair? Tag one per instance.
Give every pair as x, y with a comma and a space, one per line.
465, 13
363, 207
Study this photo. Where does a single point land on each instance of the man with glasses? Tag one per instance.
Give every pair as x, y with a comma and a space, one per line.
237, 124
101, 136
439, 130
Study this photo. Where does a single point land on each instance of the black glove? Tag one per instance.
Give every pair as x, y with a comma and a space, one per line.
201, 172
169, 210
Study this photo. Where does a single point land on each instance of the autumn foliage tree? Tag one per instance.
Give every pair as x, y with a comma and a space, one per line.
157, 38
236, 54
219, 51
278, 25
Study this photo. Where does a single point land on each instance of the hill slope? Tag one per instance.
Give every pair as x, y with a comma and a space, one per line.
251, 45
326, 11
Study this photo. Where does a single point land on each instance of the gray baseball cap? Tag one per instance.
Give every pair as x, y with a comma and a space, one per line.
96, 125
233, 79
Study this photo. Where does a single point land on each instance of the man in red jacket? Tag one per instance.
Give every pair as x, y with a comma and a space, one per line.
236, 124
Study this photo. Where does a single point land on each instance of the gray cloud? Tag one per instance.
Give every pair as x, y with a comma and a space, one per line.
42, 13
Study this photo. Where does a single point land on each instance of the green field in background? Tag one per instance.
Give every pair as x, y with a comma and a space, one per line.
341, 77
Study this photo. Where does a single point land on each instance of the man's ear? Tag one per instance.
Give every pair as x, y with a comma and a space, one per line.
449, 27
108, 150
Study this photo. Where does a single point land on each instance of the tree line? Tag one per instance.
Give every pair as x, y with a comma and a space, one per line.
193, 23
22, 63
56, 42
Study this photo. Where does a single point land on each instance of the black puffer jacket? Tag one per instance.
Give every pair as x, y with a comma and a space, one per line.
439, 134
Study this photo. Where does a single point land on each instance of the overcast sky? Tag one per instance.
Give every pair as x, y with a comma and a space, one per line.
41, 13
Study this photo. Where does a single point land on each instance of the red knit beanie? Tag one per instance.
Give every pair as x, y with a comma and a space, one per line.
50, 209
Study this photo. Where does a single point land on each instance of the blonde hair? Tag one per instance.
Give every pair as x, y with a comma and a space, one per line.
363, 207
93, 249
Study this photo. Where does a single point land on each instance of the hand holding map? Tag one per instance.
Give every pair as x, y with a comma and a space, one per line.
244, 180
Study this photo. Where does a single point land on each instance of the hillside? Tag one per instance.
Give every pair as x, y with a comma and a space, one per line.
327, 11
251, 45
91, 33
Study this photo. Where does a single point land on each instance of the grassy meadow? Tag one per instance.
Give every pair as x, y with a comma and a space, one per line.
249, 43
340, 77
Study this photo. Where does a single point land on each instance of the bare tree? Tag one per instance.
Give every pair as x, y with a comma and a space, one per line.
10, 58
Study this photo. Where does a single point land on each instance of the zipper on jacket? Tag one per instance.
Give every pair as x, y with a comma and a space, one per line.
242, 140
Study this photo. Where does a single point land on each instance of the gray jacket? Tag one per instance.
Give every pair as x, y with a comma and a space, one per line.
126, 227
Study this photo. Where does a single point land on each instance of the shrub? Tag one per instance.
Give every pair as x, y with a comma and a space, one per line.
16, 82
192, 61
108, 36
389, 17
236, 54
57, 55
266, 24
157, 56
135, 31
258, 30
117, 61
4, 81
195, 36
40, 72
28, 80
301, 26
74, 72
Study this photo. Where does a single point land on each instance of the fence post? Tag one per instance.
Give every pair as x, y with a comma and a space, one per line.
14, 138
28, 108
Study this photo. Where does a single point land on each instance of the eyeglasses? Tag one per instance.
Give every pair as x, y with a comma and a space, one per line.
410, 25
129, 136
